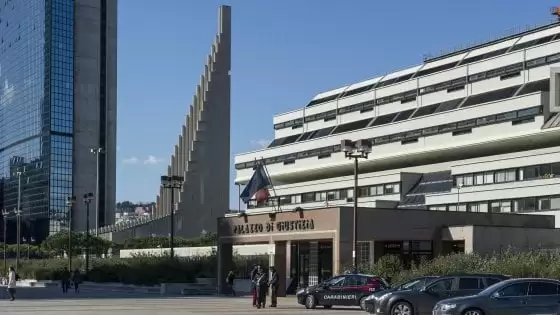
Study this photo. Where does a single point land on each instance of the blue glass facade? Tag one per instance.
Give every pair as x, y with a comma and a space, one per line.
36, 113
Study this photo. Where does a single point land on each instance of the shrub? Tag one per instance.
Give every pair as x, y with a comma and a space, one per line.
140, 270
535, 263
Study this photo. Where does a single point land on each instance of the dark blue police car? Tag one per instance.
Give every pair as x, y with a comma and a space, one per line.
343, 290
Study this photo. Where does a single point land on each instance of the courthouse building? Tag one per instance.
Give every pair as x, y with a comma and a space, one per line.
465, 156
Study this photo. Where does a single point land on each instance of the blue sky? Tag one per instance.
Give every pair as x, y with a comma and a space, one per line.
284, 52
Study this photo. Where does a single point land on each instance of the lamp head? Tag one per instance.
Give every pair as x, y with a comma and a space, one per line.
346, 146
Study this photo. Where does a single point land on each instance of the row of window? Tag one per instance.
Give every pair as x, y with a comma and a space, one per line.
330, 195
495, 95
504, 73
459, 128
448, 66
528, 204
508, 175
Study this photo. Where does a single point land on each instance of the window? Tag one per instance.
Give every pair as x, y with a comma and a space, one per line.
335, 282
385, 119
500, 206
517, 289
479, 179
441, 285
333, 195
308, 197
352, 126
404, 115
425, 110
391, 189
470, 284
543, 288
363, 191
488, 177
377, 190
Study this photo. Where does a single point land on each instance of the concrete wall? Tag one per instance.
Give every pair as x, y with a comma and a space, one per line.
242, 250
87, 106
489, 239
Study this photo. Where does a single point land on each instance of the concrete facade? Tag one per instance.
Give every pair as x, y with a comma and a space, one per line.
377, 226
476, 130
201, 154
91, 82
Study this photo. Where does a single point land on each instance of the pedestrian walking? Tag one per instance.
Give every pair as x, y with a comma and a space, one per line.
12, 278
262, 287
65, 280
274, 283
253, 279
230, 280
76, 279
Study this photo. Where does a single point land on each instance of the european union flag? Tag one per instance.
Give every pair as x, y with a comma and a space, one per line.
259, 182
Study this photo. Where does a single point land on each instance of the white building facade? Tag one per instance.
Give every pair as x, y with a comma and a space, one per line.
475, 130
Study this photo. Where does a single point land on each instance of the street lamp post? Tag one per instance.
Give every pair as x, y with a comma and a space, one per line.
87, 200
70, 203
172, 182
355, 150
97, 152
459, 187
5, 216
18, 218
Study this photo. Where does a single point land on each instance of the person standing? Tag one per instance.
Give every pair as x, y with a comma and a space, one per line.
76, 279
12, 283
253, 279
65, 280
262, 287
230, 280
274, 283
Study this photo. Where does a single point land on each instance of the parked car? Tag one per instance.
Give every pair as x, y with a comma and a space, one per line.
510, 297
343, 290
421, 302
413, 284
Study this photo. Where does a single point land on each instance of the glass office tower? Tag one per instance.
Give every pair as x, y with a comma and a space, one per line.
39, 74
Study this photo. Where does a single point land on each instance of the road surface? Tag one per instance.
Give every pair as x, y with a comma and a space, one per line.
50, 301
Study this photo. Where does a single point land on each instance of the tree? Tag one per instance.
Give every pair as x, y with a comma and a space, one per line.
57, 244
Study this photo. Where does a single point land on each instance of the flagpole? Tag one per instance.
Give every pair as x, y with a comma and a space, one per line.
271, 185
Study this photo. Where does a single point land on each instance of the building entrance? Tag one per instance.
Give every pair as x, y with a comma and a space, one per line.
310, 263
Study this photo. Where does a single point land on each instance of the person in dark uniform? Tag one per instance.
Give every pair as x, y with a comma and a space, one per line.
65, 280
253, 279
76, 279
262, 287
230, 280
274, 283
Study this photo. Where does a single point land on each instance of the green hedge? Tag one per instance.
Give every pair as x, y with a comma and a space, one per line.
537, 263
140, 270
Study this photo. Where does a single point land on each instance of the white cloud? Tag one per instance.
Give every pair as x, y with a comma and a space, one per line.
152, 160
131, 160
261, 143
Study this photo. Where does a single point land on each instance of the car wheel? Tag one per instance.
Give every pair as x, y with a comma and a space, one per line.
402, 308
363, 303
473, 311
310, 302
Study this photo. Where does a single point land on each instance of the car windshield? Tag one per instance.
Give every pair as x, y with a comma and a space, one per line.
412, 284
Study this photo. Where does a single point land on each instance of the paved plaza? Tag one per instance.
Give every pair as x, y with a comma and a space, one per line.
49, 301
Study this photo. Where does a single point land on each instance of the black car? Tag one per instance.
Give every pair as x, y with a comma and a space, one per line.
343, 290
413, 284
421, 302
510, 297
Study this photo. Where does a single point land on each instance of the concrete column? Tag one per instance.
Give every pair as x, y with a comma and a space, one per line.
313, 263
225, 264
279, 263
371, 253
181, 157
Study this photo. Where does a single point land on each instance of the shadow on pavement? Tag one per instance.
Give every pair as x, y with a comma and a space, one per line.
55, 293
